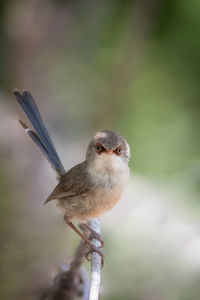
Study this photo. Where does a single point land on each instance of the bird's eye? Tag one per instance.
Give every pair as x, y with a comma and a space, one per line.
118, 150
98, 148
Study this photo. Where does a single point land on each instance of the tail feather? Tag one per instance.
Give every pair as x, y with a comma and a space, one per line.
41, 137
35, 138
30, 108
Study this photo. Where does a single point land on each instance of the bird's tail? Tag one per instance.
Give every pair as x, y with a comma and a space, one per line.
40, 136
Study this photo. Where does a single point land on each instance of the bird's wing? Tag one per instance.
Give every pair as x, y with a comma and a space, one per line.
75, 182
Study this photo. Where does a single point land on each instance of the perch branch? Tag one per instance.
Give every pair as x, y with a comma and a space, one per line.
71, 283
95, 264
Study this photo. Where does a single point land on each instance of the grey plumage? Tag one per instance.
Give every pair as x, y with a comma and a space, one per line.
110, 140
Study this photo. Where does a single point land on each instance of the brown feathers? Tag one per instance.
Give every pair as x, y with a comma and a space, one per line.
73, 183
94, 186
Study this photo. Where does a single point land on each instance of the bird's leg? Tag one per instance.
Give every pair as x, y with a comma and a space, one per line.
93, 234
92, 247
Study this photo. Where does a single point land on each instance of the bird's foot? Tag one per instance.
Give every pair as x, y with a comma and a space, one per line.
92, 249
95, 235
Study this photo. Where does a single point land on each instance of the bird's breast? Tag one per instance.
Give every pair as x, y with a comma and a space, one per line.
106, 187
109, 186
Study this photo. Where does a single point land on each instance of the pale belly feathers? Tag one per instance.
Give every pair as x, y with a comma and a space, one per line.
109, 177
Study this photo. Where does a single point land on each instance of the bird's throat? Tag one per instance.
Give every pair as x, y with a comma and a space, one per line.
106, 167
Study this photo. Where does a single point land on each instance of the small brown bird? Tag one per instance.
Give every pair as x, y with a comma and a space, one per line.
90, 188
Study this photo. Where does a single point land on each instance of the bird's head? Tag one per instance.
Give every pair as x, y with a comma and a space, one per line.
108, 151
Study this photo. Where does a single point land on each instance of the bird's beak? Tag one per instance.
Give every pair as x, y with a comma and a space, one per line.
109, 152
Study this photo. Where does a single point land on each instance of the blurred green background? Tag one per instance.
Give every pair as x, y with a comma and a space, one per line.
130, 66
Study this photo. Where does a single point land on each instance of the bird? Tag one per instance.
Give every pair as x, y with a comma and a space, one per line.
90, 188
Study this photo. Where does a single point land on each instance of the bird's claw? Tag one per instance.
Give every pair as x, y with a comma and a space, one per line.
97, 250
87, 255
95, 235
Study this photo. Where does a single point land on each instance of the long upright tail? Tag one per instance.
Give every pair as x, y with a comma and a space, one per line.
40, 136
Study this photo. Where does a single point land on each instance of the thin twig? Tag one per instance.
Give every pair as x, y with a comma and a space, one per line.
71, 283
95, 264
